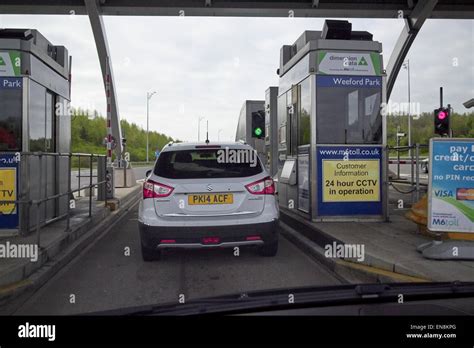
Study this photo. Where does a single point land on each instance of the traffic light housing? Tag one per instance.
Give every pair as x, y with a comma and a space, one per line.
258, 124
441, 121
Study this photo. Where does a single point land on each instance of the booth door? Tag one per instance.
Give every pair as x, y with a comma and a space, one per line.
41, 139
51, 161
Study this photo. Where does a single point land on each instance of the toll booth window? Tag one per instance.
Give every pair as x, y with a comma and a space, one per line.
49, 143
282, 120
304, 113
348, 110
10, 119
41, 120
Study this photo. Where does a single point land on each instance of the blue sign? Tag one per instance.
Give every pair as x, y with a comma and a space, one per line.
349, 81
451, 191
8, 191
349, 180
11, 82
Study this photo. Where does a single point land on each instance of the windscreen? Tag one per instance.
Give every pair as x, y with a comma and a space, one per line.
206, 163
159, 195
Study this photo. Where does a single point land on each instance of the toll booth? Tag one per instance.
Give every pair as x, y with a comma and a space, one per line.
251, 126
34, 117
271, 131
331, 134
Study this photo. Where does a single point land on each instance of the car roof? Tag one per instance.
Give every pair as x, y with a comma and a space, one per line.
203, 145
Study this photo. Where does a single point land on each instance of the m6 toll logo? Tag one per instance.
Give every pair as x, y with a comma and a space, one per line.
445, 222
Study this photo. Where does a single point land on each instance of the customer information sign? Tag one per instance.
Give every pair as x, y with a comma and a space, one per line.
8, 190
349, 180
451, 185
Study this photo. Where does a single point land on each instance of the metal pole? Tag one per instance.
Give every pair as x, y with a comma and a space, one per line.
417, 172
79, 177
409, 108
68, 223
398, 153
147, 122
412, 159
450, 132
124, 170
90, 186
148, 97
105, 184
410, 152
109, 113
441, 97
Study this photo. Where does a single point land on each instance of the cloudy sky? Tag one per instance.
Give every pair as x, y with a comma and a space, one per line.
208, 66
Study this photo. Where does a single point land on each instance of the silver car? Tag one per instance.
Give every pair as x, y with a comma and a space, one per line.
207, 195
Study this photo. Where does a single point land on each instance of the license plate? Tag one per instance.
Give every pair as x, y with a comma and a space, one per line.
211, 198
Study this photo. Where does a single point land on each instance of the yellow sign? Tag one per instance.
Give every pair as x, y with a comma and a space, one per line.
7, 190
351, 181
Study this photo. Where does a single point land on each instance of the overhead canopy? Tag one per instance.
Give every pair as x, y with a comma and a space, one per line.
263, 8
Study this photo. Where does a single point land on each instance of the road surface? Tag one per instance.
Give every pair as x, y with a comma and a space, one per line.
103, 277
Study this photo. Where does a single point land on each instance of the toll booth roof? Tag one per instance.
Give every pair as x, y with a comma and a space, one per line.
335, 34
32, 41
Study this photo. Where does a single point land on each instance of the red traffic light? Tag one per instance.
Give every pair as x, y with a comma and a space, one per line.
442, 115
441, 121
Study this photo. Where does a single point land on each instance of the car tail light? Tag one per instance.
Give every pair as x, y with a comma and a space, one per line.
265, 186
152, 189
211, 240
253, 238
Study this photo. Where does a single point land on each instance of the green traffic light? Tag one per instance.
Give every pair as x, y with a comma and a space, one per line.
258, 131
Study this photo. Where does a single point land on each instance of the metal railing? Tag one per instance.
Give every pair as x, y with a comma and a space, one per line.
23, 172
415, 162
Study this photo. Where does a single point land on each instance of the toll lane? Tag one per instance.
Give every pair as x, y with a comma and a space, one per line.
105, 276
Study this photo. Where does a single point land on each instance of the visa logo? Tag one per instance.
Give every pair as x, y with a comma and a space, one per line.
443, 193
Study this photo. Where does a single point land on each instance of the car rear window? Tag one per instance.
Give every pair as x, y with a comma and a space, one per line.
205, 163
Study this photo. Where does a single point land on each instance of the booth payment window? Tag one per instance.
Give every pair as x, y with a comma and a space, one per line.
348, 115
41, 118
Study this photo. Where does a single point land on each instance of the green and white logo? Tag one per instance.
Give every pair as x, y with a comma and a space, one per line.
349, 63
362, 61
10, 63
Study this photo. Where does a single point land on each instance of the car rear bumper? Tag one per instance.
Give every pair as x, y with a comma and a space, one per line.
192, 237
